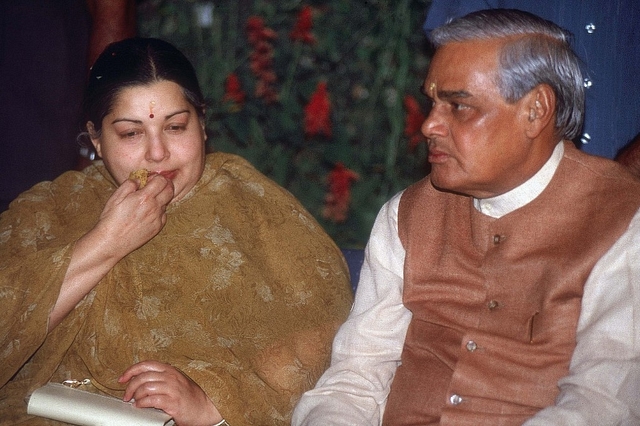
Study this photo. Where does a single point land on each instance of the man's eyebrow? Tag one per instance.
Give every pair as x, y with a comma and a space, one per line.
446, 94
453, 94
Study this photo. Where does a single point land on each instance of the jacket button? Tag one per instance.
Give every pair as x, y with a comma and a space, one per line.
455, 399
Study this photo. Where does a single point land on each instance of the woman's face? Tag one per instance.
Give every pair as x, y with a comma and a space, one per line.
153, 127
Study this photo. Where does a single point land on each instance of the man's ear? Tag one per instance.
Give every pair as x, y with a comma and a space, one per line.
540, 108
95, 139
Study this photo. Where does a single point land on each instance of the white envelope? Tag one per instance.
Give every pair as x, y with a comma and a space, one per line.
59, 402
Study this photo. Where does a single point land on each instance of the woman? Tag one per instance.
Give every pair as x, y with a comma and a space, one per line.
209, 292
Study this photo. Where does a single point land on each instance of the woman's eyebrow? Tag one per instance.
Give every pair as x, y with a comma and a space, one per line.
177, 112
132, 120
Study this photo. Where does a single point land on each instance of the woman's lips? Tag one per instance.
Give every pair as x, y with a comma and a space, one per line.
169, 174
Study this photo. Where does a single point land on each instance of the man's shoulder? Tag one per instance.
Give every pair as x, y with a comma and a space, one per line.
607, 171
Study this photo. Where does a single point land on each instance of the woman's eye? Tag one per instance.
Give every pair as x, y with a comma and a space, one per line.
176, 127
130, 134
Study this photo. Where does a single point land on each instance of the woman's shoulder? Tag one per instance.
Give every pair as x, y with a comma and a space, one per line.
70, 194
237, 181
231, 169
230, 163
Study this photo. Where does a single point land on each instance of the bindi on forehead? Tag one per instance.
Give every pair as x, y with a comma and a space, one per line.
151, 105
429, 92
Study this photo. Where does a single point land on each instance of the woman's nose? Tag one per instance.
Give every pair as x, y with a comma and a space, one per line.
157, 149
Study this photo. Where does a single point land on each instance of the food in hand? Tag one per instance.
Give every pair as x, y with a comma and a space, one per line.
142, 175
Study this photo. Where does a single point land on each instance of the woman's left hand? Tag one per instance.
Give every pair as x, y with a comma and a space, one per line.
158, 385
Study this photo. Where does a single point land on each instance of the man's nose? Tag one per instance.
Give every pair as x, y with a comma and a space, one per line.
435, 124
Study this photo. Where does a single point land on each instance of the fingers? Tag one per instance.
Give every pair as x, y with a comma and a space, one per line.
144, 378
124, 190
162, 386
158, 186
142, 367
131, 217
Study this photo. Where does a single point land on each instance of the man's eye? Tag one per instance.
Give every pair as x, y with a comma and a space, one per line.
458, 107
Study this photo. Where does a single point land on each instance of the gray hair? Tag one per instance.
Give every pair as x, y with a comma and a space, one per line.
542, 54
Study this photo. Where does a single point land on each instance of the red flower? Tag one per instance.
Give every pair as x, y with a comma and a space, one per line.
233, 91
317, 112
337, 200
413, 122
261, 58
256, 31
303, 26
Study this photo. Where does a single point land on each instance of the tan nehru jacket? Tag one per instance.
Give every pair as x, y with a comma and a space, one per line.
495, 302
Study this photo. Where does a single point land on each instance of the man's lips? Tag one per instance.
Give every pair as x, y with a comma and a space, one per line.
437, 156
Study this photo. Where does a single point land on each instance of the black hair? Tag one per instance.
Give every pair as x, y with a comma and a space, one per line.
135, 62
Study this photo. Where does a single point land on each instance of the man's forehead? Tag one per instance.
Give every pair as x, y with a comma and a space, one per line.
460, 69
432, 90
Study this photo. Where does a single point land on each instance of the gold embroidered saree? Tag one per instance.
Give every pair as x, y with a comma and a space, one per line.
241, 290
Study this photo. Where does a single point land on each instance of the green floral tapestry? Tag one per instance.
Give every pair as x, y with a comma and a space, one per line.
321, 96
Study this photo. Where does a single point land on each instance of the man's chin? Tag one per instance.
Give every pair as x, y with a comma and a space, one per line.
445, 184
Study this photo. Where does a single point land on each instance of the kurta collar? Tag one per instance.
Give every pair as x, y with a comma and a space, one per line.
506, 203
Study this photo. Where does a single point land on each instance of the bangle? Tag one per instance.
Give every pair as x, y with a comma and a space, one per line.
223, 422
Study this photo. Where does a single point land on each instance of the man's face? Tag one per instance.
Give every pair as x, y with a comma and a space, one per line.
477, 141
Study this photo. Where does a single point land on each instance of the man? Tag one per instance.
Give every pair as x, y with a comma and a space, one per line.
503, 288
605, 36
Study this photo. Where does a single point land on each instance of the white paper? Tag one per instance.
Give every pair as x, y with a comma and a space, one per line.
59, 402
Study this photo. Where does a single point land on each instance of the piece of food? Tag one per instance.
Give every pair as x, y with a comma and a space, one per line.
142, 175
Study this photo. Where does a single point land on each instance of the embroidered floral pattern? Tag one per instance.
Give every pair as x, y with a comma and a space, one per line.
236, 277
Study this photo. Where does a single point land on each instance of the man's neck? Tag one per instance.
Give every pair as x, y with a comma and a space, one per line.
523, 194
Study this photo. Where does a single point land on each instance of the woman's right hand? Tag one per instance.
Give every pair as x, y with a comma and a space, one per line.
130, 218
